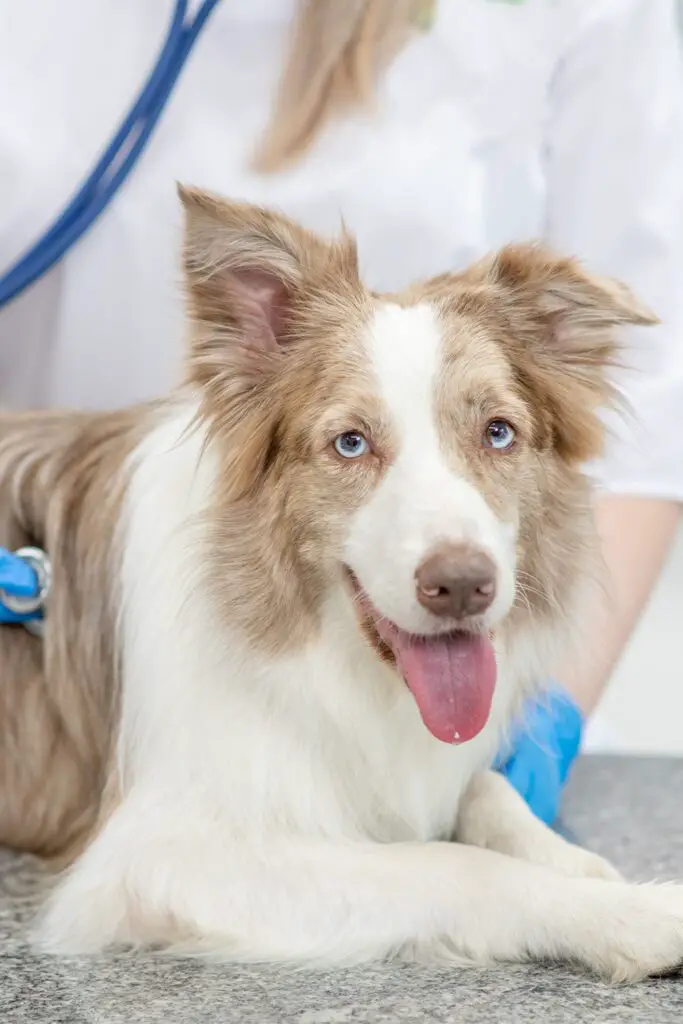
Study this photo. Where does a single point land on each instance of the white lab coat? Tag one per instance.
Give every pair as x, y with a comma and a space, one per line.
554, 118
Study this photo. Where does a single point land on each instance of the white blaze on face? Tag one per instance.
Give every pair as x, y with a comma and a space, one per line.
420, 502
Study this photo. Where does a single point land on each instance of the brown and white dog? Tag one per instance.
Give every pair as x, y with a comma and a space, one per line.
295, 606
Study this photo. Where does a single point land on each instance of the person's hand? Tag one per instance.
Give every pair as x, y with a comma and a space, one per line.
541, 750
17, 579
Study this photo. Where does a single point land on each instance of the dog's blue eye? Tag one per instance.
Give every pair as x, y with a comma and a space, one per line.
351, 445
499, 435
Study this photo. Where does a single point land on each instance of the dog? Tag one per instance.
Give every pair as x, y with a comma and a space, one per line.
297, 604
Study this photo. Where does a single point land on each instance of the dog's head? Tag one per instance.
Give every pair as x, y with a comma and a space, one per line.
421, 450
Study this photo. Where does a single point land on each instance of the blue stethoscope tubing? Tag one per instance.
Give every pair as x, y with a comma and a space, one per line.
118, 159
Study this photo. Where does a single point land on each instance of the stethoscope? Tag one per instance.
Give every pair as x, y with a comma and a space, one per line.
118, 159
25, 575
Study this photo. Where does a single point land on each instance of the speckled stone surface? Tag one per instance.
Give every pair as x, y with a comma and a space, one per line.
629, 810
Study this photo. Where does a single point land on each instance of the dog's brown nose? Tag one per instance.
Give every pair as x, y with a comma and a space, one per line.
456, 581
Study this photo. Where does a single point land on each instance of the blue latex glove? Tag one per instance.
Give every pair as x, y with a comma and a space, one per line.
543, 746
18, 579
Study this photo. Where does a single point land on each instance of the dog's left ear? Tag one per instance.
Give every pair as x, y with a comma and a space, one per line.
564, 328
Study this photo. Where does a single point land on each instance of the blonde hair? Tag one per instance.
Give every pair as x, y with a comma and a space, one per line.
339, 50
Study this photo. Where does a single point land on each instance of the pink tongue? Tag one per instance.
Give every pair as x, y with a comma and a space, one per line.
452, 679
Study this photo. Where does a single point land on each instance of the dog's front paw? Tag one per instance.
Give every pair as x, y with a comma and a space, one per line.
640, 935
576, 862
540, 845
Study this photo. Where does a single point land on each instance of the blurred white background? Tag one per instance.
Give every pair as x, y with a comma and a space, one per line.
643, 709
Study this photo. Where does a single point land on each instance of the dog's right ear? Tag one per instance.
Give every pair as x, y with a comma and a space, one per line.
246, 269
243, 267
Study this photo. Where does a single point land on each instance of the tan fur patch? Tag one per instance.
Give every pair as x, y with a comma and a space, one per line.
530, 338
60, 487
284, 496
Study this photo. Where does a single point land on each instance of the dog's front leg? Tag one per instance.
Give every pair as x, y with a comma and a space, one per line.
160, 874
493, 815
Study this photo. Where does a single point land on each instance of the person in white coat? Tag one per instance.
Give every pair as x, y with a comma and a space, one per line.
438, 132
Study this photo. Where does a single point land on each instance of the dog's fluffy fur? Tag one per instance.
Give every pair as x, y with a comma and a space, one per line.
212, 732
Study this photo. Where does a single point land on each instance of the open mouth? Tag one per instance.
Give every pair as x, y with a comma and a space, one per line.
451, 675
